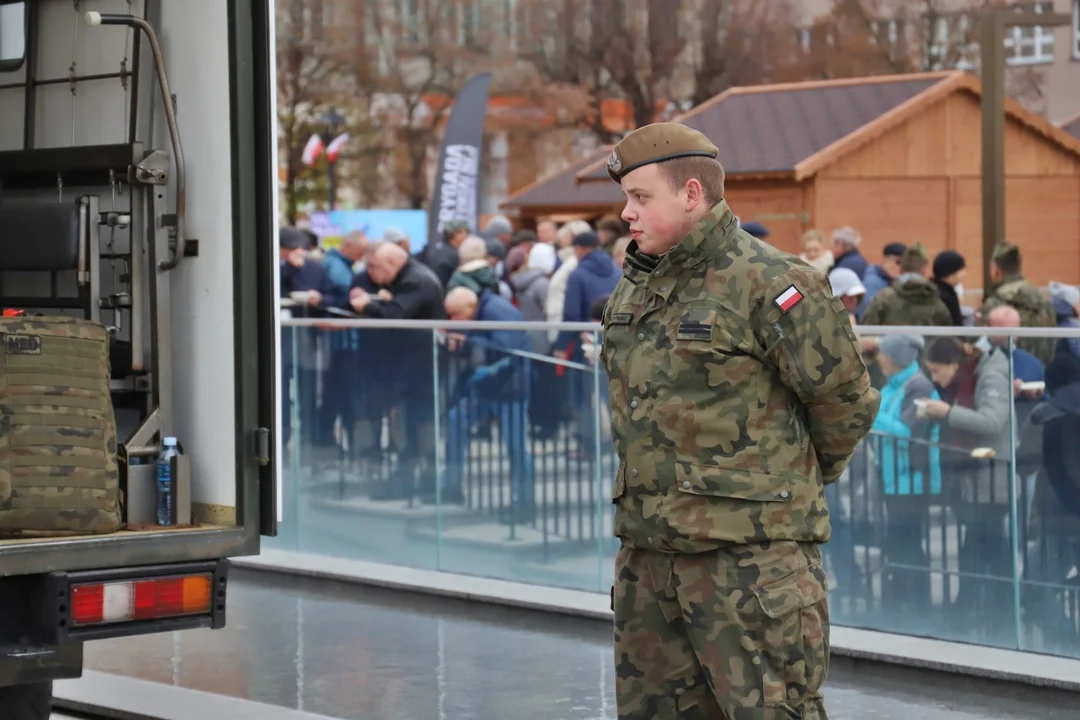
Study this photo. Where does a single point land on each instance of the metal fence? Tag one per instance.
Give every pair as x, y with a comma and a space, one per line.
984, 552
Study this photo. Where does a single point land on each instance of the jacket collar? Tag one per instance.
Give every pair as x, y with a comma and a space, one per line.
710, 233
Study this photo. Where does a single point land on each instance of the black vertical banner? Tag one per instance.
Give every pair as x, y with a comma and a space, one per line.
458, 172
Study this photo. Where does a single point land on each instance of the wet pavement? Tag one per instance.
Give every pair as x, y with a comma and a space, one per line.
359, 653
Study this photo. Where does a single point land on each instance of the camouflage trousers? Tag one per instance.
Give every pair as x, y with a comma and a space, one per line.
740, 633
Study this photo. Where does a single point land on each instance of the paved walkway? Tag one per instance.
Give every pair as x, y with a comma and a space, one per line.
358, 653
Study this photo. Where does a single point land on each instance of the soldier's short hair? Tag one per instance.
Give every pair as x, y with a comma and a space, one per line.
706, 170
915, 259
1007, 258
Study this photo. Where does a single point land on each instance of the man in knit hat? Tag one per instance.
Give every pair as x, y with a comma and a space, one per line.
912, 299
949, 270
1010, 288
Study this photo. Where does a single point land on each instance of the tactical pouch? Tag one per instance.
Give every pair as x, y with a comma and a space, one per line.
58, 467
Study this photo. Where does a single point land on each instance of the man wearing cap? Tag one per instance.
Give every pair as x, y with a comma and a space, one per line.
878, 277
755, 229
737, 393
847, 286
1009, 287
303, 276
912, 299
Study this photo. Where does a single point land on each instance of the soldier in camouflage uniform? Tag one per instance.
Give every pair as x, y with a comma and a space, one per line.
737, 393
1010, 288
913, 299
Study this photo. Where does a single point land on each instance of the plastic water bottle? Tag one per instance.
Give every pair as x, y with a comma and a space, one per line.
164, 482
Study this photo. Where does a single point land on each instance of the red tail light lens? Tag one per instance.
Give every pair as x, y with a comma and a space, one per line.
130, 600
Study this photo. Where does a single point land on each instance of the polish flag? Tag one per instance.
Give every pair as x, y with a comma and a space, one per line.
335, 146
789, 298
312, 150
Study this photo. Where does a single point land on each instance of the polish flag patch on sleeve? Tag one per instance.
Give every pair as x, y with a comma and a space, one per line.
789, 299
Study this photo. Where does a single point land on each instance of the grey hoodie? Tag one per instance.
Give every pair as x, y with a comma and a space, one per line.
531, 288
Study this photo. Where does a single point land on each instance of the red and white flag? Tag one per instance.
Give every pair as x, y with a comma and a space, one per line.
789, 299
335, 146
312, 150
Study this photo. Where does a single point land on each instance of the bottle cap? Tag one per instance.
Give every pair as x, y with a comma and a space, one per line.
170, 442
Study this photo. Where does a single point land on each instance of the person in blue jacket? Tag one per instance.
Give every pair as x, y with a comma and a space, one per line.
909, 471
595, 276
498, 387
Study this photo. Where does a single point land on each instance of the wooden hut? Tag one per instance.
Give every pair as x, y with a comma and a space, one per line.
897, 157
1072, 126
561, 197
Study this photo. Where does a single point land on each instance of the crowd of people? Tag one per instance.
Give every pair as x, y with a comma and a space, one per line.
551, 274
951, 420
948, 407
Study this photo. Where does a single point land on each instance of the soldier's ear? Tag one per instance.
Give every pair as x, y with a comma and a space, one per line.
695, 194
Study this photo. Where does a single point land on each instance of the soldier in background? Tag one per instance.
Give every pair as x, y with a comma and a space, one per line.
912, 299
1010, 288
737, 393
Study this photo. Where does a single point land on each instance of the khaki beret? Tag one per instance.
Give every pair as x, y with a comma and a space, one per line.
655, 143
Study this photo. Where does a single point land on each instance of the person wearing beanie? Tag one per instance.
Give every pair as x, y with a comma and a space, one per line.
903, 478
1066, 301
912, 299
949, 270
499, 228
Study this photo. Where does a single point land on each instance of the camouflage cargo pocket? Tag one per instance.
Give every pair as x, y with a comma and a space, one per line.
731, 482
619, 487
794, 638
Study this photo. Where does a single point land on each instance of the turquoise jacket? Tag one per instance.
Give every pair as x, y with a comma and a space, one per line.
895, 421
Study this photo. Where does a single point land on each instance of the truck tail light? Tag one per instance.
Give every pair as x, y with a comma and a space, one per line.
131, 600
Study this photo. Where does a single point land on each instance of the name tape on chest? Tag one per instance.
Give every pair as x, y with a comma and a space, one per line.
788, 299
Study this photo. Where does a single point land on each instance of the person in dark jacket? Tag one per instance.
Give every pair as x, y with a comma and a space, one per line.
499, 387
878, 277
595, 276
845, 248
396, 367
1049, 446
949, 270
341, 343
1066, 302
442, 257
304, 282
912, 299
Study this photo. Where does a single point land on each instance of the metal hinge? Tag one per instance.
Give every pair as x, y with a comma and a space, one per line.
262, 446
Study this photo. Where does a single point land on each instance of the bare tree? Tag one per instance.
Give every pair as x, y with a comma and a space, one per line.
874, 37
310, 64
740, 42
656, 56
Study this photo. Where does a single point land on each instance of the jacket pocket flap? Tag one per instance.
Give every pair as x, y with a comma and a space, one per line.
619, 487
803, 588
716, 481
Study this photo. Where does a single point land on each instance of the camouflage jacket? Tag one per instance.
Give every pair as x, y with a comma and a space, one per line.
737, 392
1034, 308
912, 300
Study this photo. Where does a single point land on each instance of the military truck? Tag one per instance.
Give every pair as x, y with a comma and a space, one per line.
137, 192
